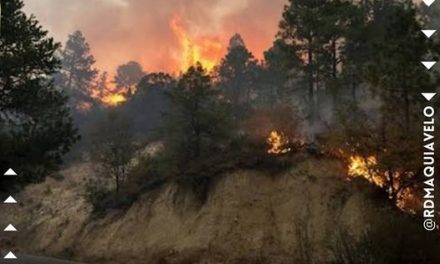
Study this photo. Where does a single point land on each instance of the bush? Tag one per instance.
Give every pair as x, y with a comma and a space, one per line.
112, 148
103, 199
149, 173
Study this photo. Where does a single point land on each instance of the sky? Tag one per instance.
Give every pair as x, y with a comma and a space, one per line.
119, 31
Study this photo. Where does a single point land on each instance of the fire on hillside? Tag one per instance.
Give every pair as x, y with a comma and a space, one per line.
406, 198
278, 143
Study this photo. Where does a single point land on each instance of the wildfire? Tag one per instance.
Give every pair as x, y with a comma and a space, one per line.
277, 143
206, 50
109, 97
406, 199
113, 99
365, 167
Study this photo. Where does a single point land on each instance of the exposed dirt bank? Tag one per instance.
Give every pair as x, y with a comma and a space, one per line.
249, 217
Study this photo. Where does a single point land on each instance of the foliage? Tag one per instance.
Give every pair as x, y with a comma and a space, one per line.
150, 172
276, 74
77, 73
362, 133
112, 148
101, 84
128, 76
396, 46
148, 104
237, 75
385, 61
316, 30
198, 123
36, 129
103, 199
152, 81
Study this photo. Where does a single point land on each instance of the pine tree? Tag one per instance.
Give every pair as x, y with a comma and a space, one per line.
128, 76
299, 27
198, 122
318, 30
237, 73
35, 126
101, 85
389, 52
393, 69
277, 72
150, 98
77, 74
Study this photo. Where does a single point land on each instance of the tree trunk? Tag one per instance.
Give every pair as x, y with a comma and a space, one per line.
311, 81
407, 108
72, 66
117, 182
353, 88
334, 60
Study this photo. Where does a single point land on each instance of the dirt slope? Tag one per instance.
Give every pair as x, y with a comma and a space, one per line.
249, 217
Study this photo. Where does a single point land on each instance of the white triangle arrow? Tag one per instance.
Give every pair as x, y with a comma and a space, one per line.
10, 200
10, 172
428, 96
429, 64
10, 228
10, 255
429, 2
429, 32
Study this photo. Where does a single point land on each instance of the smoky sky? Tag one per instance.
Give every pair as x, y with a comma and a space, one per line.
122, 30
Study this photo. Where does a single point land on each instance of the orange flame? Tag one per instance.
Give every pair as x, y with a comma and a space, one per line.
365, 167
206, 50
406, 199
113, 99
109, 97
277, 143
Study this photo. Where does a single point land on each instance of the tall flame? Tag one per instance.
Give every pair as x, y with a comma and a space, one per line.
206, 50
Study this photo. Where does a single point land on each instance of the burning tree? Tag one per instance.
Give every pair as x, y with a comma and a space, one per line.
381, 152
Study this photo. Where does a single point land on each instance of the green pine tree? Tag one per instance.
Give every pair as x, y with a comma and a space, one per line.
237, 74
35, 126
198, 124
77, 74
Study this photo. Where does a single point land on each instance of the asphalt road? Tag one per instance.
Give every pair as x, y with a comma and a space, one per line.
25, 259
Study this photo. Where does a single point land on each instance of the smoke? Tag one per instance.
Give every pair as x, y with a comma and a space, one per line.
122, 30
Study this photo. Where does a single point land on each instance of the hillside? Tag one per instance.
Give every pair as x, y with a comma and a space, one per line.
248, 216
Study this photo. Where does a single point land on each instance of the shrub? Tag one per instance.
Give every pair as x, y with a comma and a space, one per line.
104, 199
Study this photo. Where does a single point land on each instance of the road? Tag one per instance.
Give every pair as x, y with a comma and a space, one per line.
25, 259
